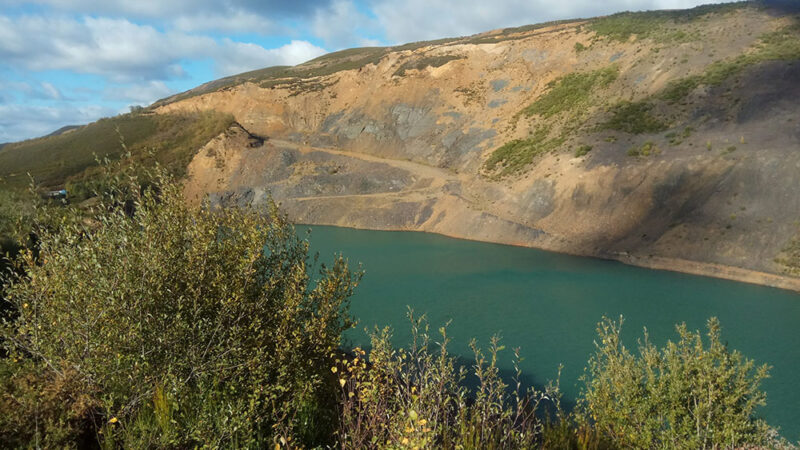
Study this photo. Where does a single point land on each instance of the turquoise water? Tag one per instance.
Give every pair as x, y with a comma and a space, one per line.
549, 304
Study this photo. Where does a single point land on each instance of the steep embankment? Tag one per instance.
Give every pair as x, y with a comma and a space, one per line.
667, 139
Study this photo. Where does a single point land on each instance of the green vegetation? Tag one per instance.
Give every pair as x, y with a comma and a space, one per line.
583, 150
646, 149
570, 94
571, 91
633, 118
580, 47
297, 86
416, 398
425, 62
688, 394
515, 155
657, 25
677, 138
168, 326
147, 323
171, 139
782, 45
790, 257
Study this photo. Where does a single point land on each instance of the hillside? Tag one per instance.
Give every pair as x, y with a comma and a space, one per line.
69, 155
664, 139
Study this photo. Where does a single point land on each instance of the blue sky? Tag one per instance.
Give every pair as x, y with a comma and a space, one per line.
66, 62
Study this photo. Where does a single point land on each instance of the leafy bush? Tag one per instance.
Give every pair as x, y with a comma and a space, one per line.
181, 326
416, 398
790, 257
646, 149
657, 25
583, 150
685, 395
571, 91
516, 154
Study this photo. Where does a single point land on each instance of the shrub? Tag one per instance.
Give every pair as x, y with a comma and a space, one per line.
416, 398
183, 326
516, 154
583, 150
571, 91
647, 149
790, 257
685, 395
633, 118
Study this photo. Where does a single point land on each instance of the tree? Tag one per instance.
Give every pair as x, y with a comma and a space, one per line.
174, 325
685, 395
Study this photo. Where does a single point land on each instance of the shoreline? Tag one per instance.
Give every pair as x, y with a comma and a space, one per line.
697, 268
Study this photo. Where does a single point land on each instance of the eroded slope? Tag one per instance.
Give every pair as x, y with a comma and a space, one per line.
662, 139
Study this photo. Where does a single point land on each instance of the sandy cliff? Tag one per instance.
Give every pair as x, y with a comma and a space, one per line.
692, 119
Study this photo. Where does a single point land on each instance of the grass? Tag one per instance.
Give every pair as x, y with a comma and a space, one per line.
513, 156
633, 118
646, 149
425, 62
781, 45
656, 25
790, 258
583, 150
571, 91
53, 160
297, 86
676, 138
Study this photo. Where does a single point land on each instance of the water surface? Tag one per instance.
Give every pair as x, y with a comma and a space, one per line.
549, 304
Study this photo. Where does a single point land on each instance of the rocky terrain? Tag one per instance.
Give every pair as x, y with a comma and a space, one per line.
667, 139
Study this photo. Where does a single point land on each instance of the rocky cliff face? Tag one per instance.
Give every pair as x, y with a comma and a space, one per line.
666, 139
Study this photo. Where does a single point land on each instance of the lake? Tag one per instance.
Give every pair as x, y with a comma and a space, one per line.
549, 304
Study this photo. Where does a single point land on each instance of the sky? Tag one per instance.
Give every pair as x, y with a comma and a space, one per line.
69, 62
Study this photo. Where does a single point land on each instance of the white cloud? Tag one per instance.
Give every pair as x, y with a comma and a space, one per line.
9, 90
237, 57
128, 52
237, 21
51, 91
139, 93
161, 9
19, 122
342, 25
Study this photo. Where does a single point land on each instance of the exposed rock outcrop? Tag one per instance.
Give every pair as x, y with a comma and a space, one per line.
708, 183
